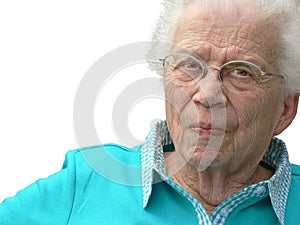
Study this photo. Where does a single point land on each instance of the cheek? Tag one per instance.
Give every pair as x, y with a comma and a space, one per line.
257, 110
256, 117
177, 99
176, 96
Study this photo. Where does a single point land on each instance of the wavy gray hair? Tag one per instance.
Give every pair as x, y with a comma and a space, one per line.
284, 15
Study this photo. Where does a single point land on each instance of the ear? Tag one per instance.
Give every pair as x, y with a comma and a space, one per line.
288, 114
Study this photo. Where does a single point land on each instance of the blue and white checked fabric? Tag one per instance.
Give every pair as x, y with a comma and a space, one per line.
277, 187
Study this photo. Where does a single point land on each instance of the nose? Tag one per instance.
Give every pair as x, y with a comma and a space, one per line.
209, 92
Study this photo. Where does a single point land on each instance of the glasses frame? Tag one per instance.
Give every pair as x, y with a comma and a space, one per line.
206, 67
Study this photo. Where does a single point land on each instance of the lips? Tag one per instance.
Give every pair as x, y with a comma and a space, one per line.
208, 129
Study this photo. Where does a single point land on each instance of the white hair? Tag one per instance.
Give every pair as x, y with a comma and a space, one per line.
284, 15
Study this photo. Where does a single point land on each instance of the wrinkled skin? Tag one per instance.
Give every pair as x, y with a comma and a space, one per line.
220, 135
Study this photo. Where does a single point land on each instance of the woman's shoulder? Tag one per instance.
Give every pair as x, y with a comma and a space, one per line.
293, 208
295, 186
295, 170
106, 153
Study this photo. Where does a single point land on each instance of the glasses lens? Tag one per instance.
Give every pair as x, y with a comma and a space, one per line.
240, 75
185, 66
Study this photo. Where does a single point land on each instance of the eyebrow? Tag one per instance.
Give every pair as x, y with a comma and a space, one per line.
190, 53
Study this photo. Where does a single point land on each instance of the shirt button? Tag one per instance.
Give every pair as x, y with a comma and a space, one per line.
224, 212
260, 190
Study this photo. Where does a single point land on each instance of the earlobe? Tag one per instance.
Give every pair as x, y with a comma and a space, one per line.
288, 114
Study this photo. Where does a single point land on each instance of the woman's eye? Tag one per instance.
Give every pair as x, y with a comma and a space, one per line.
240, 72
187, 66
191, 65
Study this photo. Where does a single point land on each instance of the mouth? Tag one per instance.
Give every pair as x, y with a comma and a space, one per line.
207, 130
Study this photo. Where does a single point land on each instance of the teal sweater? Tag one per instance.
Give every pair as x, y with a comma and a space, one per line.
79, 195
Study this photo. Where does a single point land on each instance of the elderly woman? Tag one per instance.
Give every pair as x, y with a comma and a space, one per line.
231, 82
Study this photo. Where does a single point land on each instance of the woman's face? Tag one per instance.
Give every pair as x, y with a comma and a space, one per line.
211, 125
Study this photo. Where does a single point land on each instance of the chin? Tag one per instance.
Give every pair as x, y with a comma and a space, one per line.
202, 157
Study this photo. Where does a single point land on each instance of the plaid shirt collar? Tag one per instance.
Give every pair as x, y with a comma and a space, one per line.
276, 157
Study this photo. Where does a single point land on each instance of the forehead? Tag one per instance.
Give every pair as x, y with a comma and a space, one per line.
232, 31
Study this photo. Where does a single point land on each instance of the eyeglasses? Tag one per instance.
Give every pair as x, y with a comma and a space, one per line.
235, 75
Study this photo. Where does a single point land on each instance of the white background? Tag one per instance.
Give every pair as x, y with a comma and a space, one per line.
45, 49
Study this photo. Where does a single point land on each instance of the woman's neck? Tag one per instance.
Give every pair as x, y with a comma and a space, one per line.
214, 185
